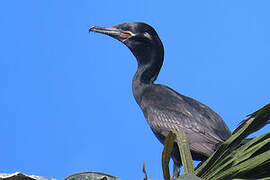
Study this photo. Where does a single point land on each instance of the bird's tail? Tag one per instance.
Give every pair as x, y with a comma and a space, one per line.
257, 120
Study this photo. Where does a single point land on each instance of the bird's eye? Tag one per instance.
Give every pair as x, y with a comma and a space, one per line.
147, 35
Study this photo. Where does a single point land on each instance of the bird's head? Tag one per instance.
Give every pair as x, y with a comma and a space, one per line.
140, 38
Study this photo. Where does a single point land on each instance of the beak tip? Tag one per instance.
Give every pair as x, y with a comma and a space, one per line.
91, 29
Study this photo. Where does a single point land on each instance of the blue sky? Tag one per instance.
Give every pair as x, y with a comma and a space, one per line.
65, 95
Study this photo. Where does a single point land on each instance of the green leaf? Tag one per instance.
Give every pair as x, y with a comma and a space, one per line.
183, 146
166, 155
232, 160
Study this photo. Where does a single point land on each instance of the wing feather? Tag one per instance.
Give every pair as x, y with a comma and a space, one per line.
167, 110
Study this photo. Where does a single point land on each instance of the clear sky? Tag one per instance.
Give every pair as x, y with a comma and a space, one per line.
66, 103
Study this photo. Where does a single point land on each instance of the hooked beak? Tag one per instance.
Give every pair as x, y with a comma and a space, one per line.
113, 32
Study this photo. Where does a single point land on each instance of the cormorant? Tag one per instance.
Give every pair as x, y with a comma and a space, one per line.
164, 108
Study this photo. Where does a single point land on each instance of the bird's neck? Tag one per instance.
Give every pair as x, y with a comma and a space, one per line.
146, 74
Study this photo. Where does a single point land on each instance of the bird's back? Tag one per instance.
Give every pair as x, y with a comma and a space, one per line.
166, 110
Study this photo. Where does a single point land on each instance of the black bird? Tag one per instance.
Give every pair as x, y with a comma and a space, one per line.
164, 108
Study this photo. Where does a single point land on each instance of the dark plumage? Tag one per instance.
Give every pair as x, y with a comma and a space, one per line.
164, 108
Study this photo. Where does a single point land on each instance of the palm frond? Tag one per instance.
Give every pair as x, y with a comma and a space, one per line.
251, 160
232, 160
